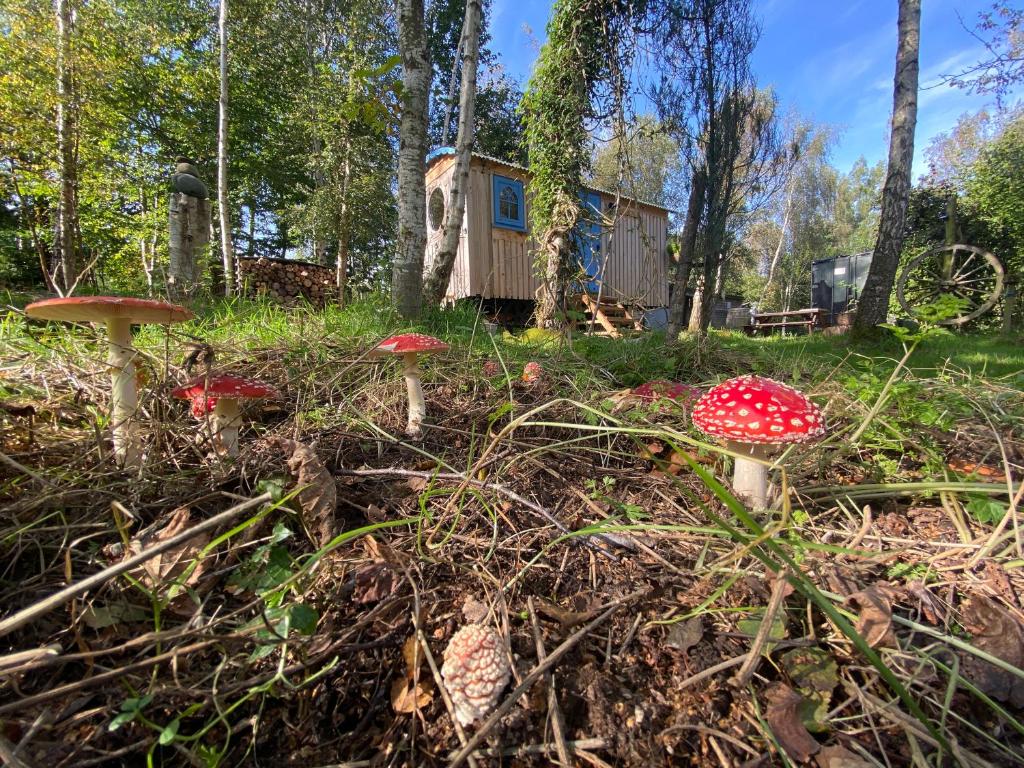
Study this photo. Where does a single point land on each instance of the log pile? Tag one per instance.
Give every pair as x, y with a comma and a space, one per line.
283, 279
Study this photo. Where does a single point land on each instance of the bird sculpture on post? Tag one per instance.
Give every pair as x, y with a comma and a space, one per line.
189, 229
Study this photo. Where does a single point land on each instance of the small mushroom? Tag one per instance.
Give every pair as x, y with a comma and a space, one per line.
221, 394
491, 368
475, 671
753, 413
532, 372
118, 313
409, 345
660, 389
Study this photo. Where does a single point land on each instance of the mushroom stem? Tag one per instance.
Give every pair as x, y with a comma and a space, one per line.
750, 476
124, 397
226, 417
417, 406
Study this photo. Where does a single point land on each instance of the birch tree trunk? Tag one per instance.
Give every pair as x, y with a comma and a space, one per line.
407, 276
65, 227
688, 242
224, 214
341, 267
778, 248
873, 305
437, 283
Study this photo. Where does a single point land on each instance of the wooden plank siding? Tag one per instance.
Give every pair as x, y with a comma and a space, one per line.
495, 262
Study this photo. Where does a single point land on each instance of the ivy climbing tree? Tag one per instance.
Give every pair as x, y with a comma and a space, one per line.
584, 51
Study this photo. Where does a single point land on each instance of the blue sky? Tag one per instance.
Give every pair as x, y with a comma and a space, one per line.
829, 60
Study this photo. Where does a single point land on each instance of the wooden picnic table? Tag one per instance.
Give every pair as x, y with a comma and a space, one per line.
809, 319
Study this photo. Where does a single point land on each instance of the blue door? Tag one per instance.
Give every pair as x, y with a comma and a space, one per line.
587, 236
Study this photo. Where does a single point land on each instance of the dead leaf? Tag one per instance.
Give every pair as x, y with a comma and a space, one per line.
417, 484
840, 757
567, 619
874, 622
319, 496
407, 697
815, 674
995, 631
166, 570
374, 582
685, 634
928, 603
784, 719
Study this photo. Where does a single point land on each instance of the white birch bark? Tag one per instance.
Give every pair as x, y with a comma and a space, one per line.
437, 283
224, 213
407, 276
65, 226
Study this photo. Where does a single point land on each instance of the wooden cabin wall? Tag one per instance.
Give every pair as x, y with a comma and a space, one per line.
635, 251
495, 262
440, 174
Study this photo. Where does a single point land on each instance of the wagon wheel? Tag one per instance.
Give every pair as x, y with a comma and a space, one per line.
963, 271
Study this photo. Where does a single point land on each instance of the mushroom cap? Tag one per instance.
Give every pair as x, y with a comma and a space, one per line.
404, 343
755, 409
660, 388
222, 385
491, 368
532, 371
99, 309
475, 671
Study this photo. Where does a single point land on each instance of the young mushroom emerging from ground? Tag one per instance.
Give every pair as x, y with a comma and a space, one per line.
409, 346
220, 394
753, 413
118, 313
669, 390
475, 671
532, 372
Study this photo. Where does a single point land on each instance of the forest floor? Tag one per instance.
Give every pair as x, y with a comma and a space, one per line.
872, 618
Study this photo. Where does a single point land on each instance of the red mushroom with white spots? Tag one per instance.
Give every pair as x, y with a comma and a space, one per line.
118, 313
752, 413
220, 394
659, 389
532, 372
475, 671
409, 346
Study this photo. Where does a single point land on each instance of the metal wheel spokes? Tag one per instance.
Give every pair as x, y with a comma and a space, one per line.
963, 271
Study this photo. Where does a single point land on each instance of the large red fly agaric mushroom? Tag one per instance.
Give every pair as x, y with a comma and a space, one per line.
752, 413
118, 313
409, 345
475, 671
221, 394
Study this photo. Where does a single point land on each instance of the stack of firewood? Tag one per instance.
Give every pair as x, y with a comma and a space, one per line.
284, 279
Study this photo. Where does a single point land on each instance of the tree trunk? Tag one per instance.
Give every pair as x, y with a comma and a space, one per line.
778, 248
873, 305
224, 213
65, 226
319, 246
552, 289
437, 283
407, 276
687, 244
341, 267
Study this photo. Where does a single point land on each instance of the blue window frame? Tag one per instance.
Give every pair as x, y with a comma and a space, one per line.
509, 203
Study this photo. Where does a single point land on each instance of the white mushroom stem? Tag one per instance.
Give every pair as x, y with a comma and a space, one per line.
124, 397
226, 418
750, 475
417, 406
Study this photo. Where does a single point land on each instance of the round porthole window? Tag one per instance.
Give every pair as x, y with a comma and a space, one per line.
435, 209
